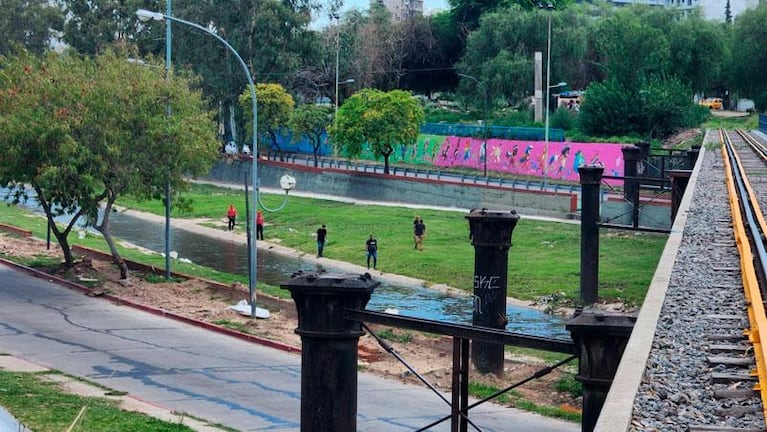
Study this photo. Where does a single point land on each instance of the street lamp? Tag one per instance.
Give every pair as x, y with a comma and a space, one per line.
549, 7
546, 131
484, 121
287, 182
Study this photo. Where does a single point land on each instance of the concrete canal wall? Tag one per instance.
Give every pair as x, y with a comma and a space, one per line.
397, 189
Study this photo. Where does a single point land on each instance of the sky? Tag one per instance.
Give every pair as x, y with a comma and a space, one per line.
429, 6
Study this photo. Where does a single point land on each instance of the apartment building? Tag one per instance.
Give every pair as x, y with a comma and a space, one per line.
402, 9
712, 9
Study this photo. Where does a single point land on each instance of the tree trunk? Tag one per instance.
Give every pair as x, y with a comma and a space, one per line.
273, 136
61, 236
63, 239
386, 155
103, 228
316, 147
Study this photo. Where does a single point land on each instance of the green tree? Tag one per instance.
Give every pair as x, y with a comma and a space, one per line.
383, 120
501, 52
29, 23
659, 107
272, 37
83, 131
632, 44
697, 52
274, 107
749, 59
312, 121
94, 25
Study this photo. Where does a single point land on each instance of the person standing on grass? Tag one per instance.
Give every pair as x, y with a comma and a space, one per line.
231, 215
419, 232
259, 225
322, 232
372, 248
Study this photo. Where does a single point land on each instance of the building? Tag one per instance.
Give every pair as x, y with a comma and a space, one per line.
712, 9
402, 9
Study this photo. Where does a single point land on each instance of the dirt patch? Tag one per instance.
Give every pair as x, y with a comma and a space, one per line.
429, 355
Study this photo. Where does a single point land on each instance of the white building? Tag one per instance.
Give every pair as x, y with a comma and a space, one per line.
402, 9
712, 9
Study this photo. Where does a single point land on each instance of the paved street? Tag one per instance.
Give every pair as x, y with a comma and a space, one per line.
185, 368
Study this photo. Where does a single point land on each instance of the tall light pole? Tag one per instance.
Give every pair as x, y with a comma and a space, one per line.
338, 55
145, 15
484, 134
168, 11
549, 7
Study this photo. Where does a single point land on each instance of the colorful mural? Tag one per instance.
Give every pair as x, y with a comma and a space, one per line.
558, 160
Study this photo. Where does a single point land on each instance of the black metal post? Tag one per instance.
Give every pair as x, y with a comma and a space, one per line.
679, 181
591, 178
692, 155
329, 347
491, 237
644, 150
631, 159
600, 340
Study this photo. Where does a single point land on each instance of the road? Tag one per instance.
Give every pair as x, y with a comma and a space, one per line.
184, 368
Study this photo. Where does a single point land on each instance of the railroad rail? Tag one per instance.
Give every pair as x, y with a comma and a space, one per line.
749, 228
696, 355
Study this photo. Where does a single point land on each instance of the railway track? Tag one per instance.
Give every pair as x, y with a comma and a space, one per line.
742, 359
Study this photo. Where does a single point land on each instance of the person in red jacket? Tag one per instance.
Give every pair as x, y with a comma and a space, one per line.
259, 225
231, 214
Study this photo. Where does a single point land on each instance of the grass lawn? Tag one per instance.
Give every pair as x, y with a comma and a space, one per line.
544, 259
41, 405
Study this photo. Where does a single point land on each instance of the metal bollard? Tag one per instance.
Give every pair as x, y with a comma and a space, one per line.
491, 237
591, 178
679, 181
329, 347
632, 157
600, 339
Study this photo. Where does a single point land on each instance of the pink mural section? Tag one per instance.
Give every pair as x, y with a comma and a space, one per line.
558, 160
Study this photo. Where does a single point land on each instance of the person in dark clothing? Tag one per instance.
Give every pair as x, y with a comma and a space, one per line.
419, 232
322, 232
372, 248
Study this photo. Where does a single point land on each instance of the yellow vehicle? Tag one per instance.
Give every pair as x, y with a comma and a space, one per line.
711, 103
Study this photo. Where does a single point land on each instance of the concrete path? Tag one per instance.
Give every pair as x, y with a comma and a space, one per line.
185, 369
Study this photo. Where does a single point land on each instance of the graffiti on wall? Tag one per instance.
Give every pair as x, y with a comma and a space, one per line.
557, 160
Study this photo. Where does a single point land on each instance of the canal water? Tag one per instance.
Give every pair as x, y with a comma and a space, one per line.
274, 268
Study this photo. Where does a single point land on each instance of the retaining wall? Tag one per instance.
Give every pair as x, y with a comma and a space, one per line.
387, 188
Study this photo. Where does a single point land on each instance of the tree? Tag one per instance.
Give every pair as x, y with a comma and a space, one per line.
310, 120
94, 25
698, 53
83, 132
274, 107
632, 45
29, 23
500, 53
380, 119
749, 59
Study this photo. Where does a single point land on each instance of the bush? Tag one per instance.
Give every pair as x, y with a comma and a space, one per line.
658, 108
563, 118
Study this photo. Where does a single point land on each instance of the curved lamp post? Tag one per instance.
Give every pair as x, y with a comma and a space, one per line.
287, 182
484, 142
